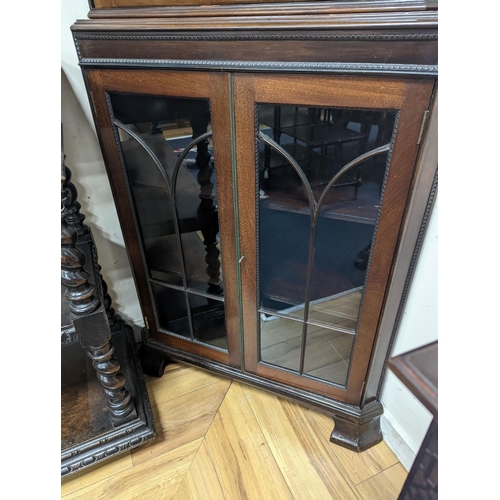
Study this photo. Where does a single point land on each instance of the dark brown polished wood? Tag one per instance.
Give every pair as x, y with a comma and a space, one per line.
164, 9
371, 55
88, 312
418, 370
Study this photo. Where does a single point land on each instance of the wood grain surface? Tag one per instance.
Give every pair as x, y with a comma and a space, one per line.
221, 440
244, 463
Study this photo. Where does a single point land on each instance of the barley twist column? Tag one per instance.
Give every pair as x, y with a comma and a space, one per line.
207, 211
89, 317
107, 368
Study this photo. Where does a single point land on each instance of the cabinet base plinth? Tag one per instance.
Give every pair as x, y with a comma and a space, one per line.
153, 360
356, 429
358, 433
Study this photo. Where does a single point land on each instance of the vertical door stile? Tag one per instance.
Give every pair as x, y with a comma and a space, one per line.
224, 147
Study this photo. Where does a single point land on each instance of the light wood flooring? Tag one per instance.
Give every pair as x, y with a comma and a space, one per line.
219, 440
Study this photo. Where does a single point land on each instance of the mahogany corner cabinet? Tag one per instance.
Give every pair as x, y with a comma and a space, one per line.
273, 166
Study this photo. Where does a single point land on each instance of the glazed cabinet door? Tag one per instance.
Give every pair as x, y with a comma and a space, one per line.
165, 139
324, 166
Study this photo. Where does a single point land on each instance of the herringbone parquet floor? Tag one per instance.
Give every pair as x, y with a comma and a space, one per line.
222, 440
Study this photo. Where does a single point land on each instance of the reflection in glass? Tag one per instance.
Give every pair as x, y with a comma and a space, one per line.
321, 172
208, 320
327, 354
280, 341
167, 150
172, 309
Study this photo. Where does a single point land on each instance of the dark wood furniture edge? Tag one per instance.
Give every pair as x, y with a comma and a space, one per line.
153, 360
263, 9
355, 428
266, 66
416, 379
126, 436
360, 433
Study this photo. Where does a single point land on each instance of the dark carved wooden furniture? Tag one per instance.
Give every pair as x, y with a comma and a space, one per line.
418, 370
274, 167
105, 406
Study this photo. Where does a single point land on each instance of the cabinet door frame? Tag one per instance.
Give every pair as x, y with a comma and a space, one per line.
410, 97
212, 86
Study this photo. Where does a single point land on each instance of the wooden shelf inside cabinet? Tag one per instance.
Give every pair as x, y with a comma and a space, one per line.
288, 283
288, 117
163, 252
322, 134
363, 210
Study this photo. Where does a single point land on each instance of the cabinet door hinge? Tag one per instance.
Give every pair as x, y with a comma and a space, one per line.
422, 127
146, 322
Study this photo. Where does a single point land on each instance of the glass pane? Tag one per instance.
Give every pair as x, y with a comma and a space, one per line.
283, 259
280, 341
154, 209
327, 354
321, 173
172, 310
343, 242
339, 311
208, 320
283, 255
174, 191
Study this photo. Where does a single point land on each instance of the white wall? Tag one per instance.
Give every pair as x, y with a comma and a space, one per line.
84, 159
71, 10
405, 420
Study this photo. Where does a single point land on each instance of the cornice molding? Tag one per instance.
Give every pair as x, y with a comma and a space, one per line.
308, 19
264, 66
263, 37
265, 9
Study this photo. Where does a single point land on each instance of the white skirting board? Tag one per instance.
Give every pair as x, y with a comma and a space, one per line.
398, 440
